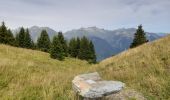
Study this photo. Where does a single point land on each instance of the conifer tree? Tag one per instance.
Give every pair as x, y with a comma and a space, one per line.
21, 38
73, 48
139, 37
92, 58
43, 42
27, 41
33, 45
10, 38
6, 35
77, 46
3, 33
63, 43
84, 50
57, 51
17, 39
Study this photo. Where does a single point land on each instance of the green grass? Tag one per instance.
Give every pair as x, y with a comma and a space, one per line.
145, 68
33, 75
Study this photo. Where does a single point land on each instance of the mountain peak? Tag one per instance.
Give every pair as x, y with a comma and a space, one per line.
93, 27
34, 27
125, 29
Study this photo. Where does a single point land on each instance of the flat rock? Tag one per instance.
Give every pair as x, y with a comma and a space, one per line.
91, 86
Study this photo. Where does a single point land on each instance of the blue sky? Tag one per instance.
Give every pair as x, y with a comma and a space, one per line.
63, 15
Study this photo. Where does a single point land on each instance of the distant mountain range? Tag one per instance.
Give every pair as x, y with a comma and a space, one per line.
107, 43
35, 32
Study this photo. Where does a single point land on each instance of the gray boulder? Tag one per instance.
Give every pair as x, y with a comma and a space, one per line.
91, 86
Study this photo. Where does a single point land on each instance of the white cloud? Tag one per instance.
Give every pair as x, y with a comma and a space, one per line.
69, 14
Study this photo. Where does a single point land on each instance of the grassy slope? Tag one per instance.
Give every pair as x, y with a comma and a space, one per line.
33, 75
145, 68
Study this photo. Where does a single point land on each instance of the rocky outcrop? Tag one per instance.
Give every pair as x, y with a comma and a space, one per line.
92, 87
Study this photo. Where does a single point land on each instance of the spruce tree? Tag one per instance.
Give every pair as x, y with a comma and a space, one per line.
27, 41
63, 43
6, 35
3, 33
73, 48
139, 37
21, 38
10, 38
77, 46
33, 45
43, 42
57, 51
92, 57
84, 51
17, 39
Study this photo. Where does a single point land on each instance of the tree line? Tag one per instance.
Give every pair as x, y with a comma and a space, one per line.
82, 49
59, 48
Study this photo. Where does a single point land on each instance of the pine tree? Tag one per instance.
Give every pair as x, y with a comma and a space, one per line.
63, 43
139, 37
10, 38
43, 42
73, 48
33, 45
21, 38
57, 51
92, 58
27, 41
3, 33
17, 40
84, 51
77, 46
6, 35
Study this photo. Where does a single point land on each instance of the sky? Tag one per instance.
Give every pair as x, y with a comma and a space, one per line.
64, 15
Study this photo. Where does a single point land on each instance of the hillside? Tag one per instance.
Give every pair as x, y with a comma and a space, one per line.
145, 68
33, 75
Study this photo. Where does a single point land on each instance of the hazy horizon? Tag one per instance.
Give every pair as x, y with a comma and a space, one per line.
64, 15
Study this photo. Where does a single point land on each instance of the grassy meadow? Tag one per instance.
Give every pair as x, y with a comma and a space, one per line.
33, 75
145, 68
